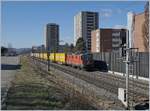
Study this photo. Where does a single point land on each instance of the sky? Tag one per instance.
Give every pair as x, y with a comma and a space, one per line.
23, 22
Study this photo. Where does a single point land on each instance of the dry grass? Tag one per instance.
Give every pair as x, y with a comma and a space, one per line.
31, 91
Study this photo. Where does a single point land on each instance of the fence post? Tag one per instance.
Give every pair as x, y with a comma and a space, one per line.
139, 63
113, 63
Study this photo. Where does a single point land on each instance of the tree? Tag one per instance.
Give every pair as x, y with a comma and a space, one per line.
80, 45
66, 48
145, 28
71, 47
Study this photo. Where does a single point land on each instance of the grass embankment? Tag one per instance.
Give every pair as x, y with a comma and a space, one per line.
31, 91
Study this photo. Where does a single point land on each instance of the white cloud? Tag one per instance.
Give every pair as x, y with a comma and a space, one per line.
106, 12
119, 11
119, 26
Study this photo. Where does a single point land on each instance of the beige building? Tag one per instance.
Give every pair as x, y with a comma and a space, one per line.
84, 23
138, 40
101, 40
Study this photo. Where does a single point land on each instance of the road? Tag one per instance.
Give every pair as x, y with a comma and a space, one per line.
9, 66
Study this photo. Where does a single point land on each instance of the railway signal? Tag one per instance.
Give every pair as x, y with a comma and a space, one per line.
128, 50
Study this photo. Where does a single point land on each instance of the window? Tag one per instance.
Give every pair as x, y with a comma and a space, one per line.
97, 39
115, 42
116, 34
97, 45
97, 34
97, 50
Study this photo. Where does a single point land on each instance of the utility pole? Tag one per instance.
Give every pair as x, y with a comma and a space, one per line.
127, 79
123, 94
129, 42
43, 53
48, 60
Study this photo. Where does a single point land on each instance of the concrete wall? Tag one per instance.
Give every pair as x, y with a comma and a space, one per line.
141, 67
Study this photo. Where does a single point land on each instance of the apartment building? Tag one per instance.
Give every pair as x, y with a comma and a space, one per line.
118, 39
52, 37
107, 40
84, 23
101, 40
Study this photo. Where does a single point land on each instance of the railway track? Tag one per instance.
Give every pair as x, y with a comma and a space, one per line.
136, 82
106, 81
115, 81
110, 84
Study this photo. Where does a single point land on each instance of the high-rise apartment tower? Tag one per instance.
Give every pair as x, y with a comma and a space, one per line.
84, 23
52, 37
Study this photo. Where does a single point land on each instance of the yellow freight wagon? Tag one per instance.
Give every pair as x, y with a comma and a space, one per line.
55, 57
40, 55
60, 58
36, 55
45, 56
52, 57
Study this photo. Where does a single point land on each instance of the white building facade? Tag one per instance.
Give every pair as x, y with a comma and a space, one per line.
84, 23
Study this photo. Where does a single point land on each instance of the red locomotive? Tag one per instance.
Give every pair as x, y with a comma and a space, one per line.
82, 61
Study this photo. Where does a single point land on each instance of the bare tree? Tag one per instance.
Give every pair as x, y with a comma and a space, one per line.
145, 28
